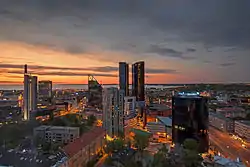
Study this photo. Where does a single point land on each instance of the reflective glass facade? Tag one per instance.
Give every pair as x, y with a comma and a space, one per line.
190, 120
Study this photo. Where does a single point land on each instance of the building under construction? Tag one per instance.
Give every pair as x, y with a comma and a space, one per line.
95, 92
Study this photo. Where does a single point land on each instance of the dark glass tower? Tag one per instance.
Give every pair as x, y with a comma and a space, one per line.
95, 92
45, 91
138, 80
190, 120
124, 77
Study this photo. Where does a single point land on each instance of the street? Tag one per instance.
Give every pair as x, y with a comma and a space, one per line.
228, 146
101, 161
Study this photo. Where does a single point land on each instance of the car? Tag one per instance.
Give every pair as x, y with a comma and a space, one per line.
11, 150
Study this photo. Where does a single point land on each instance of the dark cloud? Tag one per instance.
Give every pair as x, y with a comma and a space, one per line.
66, 71
191, 50
74, 50
207, 61
227, 64
164, 71
213, 22
39, 67
168, 52
60, 73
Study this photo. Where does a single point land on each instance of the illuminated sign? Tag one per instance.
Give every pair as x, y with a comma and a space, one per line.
189, 93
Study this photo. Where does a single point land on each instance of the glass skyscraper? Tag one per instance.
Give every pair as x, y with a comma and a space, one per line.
190, 120
138, 81
124, 77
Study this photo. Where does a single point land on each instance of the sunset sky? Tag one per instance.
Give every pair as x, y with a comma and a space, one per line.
181, 41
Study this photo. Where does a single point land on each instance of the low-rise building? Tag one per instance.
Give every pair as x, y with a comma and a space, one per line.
167, 121
232, 112
161, 128
85, 148
60, 134
221, 122
224, 162
242, 128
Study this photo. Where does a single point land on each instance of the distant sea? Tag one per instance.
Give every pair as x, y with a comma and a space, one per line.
85, 86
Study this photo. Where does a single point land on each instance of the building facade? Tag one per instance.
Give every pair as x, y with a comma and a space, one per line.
242, 128
45, 92
29, 94
94, 92
113, 111
129, 107
138, 80
221, 122
190, 120
59, 134
85, 148
124, 77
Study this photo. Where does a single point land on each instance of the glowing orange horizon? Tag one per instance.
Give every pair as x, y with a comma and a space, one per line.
21, 53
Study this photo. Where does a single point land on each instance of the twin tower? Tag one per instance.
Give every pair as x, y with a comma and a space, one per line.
138, 79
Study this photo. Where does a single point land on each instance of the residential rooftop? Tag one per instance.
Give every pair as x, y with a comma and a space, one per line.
166, 120
74, 147
218, 115
244, 122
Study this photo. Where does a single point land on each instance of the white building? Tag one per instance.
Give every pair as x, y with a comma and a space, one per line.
113, 113
242, 128
29, 95
232, 112
224, 162
60, 134
221, 122
129, 107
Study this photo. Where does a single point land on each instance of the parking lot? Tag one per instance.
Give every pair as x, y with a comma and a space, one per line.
28, 158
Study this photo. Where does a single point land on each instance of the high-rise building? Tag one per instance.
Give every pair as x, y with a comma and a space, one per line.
94, 92
138, 80
29, 94
33, 92
45, 92
190, 119
113, 114
138, 88
124, 77
129, 107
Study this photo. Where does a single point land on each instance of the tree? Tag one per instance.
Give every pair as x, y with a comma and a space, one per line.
118, 144
141, 141
58, 122
91, 120
108, 161
191, 157
160, 159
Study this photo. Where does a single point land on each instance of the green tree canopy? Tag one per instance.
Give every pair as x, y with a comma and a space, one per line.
91, 120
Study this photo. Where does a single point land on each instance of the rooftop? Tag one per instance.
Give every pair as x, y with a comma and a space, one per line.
74, 147
244, 122
227, 162
142, 132
232, 109
44, 127
218, 115
166, 120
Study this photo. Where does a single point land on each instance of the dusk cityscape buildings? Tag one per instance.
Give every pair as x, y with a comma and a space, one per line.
124, 83
113, 107
45, 91
30, 94
124, 77
190, 119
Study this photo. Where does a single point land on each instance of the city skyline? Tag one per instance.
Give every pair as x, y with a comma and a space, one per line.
186, 42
